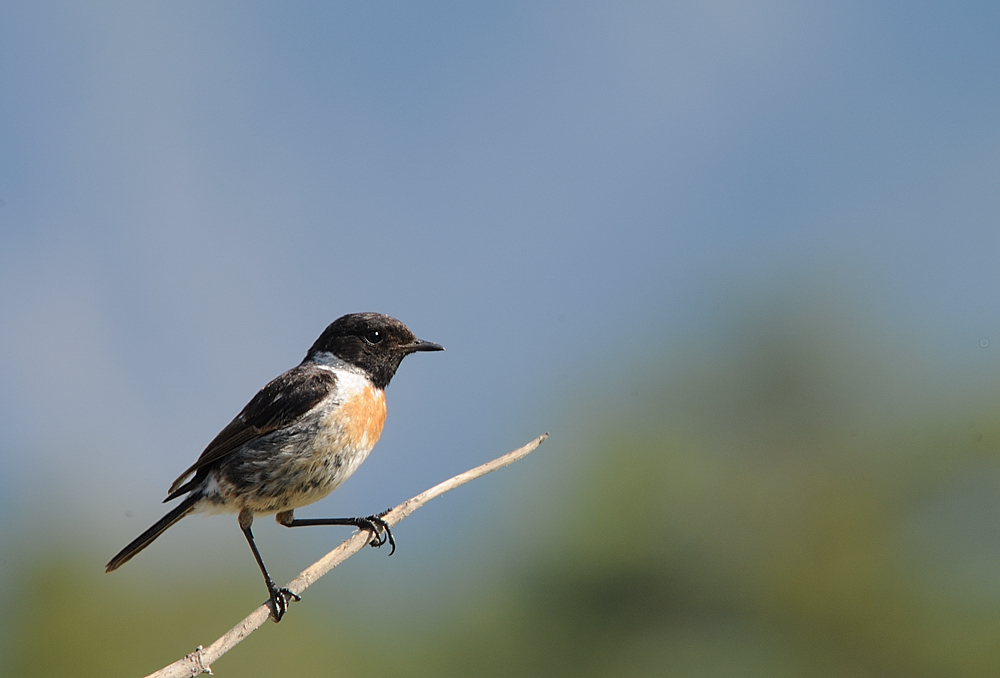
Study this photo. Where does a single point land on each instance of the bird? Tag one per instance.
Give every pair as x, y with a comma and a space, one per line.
297, 440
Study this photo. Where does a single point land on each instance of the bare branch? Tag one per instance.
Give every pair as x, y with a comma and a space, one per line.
201, 659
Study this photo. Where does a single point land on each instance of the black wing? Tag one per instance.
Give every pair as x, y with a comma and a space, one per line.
278, 404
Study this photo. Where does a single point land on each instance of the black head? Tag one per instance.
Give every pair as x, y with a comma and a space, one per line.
373, 342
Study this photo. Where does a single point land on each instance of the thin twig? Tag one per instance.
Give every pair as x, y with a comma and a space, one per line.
201, 659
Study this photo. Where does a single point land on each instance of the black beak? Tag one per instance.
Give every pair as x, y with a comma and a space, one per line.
421, 345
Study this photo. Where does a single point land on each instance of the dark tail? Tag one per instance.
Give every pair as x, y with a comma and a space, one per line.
147, 537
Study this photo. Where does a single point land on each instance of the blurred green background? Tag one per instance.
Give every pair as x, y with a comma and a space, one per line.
738, 257
794, 497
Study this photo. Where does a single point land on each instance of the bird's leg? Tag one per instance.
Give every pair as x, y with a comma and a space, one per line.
280, 597
374, 524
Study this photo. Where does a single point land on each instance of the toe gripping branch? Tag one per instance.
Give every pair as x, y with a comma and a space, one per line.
280, 598
379, 529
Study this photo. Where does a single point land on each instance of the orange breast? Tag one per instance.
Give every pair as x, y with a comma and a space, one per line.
363, 417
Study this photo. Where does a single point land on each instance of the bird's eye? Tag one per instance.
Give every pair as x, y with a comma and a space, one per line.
373, 336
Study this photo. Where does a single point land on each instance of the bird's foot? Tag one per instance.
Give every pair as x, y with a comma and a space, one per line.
381, 534
280, 598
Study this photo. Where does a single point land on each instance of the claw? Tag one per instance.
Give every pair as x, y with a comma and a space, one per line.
378, 527
280, 598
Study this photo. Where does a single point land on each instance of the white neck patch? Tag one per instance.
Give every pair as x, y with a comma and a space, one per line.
351, 379
330, 361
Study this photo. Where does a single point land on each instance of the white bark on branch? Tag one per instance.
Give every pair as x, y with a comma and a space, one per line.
201, 659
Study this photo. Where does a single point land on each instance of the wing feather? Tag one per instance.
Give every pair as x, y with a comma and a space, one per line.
282, 401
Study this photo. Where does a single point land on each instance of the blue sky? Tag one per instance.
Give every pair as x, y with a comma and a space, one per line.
192, 191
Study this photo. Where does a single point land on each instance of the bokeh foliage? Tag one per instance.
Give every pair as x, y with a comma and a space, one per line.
792, 498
